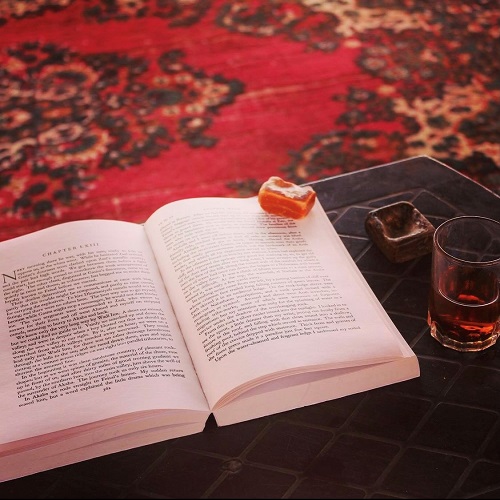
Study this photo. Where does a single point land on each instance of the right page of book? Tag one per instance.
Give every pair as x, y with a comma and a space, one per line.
264, 299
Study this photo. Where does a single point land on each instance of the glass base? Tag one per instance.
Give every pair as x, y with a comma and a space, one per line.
460, 346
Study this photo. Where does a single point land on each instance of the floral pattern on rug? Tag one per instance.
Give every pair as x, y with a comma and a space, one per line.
179, 12
68, 115
242, 81
434, 81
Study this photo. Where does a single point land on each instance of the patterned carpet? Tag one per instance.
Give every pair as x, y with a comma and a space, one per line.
112, 108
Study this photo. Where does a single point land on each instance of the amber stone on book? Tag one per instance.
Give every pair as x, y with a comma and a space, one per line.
400, 231
286, 199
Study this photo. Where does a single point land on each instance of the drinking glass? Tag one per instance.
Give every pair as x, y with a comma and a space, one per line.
464, 306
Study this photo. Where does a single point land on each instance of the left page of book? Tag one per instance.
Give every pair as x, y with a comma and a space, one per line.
88, 340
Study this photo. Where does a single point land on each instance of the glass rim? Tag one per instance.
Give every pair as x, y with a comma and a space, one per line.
446, 223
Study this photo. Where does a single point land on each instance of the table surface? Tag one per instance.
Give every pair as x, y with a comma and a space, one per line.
437, 436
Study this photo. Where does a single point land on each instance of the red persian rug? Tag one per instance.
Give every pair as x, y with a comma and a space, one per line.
112, 108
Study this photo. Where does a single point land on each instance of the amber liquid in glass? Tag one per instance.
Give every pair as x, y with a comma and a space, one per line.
464, 310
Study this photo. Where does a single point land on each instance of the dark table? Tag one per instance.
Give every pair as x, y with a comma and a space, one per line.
437, 436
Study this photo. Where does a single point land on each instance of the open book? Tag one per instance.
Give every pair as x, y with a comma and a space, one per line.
116, 335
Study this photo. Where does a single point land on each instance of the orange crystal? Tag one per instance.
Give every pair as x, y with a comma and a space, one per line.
286, 199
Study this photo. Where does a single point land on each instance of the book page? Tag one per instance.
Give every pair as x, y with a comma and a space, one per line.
260, 297
87, 331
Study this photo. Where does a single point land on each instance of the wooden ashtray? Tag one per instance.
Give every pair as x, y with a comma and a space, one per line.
400, 231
